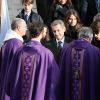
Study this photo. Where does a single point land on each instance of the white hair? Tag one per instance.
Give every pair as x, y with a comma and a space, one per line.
85, 32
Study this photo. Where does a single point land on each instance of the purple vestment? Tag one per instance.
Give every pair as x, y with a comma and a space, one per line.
6, 54
80, 72
34, 74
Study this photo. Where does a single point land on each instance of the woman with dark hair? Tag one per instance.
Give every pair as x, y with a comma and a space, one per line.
58, 10
96, 30
73, 23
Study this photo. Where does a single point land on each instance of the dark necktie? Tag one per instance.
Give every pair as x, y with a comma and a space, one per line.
26, 17
59, 45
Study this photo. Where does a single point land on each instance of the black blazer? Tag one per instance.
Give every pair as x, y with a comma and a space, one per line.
34, 17
52, 45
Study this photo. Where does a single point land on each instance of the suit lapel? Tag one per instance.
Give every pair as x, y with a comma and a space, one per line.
55, 44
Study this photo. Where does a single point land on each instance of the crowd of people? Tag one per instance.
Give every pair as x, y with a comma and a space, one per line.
53, 54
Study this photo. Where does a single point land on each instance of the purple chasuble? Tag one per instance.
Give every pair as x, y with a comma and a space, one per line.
77, 61
35, 74
6, 54
80, 72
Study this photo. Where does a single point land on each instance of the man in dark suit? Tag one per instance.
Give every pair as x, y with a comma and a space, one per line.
89, 9
59, 40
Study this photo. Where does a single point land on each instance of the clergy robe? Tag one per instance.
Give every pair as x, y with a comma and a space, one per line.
80, 72
11, 43
34, 74
33, 18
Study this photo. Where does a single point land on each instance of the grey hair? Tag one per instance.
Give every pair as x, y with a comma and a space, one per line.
85, 32
56, 22
16, 22
96, 17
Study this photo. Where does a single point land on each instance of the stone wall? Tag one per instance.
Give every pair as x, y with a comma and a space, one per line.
15, 6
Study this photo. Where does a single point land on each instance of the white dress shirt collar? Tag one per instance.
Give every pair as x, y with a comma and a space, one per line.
62, 41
